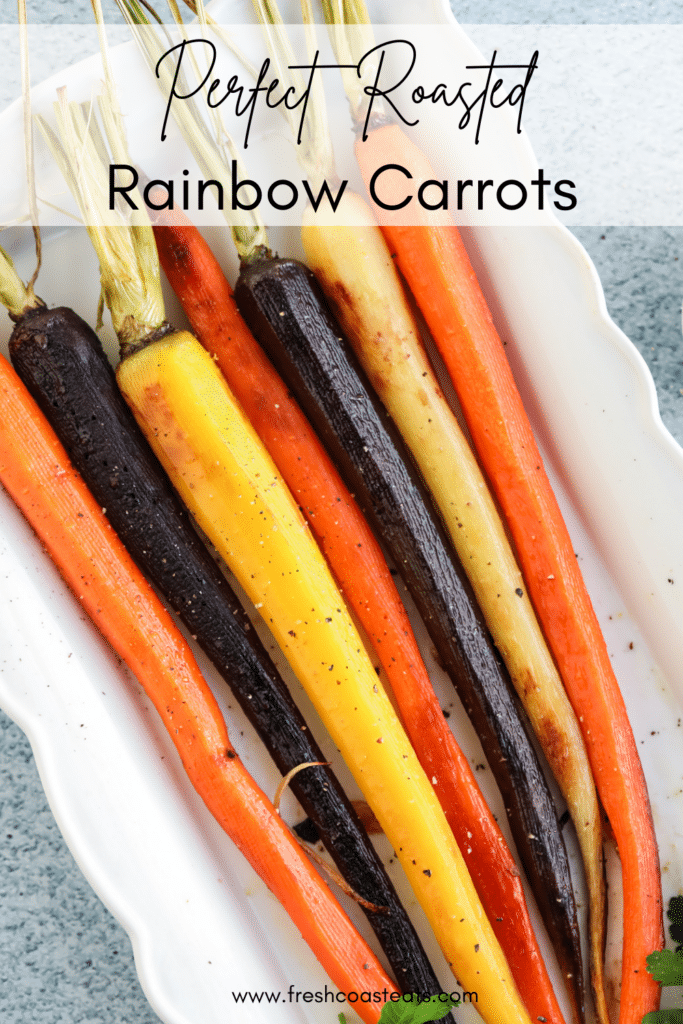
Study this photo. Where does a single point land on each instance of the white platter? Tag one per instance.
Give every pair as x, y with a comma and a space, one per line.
201, 923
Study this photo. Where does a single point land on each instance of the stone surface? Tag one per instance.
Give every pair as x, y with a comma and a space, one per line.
63, 957
641, 270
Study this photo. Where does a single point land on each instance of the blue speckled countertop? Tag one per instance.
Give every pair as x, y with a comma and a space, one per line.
63, 958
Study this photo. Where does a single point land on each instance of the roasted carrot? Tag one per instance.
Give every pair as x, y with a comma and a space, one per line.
38, 475
360, 567
434, 262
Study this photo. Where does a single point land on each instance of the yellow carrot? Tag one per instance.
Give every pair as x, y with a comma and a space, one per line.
231, 486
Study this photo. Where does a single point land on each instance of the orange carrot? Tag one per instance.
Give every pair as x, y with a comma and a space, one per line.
36, 472
433, 260
361, 569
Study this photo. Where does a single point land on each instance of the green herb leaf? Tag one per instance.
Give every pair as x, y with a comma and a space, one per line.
664, 1017
666, 967
416, 1011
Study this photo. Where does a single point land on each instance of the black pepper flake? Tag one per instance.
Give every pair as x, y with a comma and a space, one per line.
427, 872
519, 592
476, 947
230, 754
